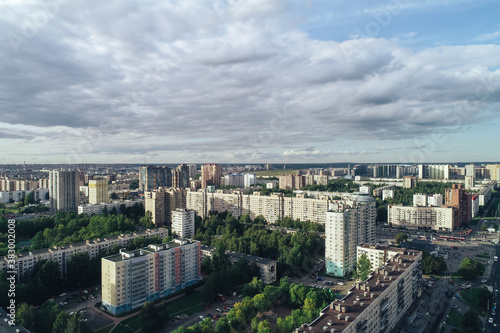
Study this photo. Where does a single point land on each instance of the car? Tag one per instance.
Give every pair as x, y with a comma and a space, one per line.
493, 312
72, 313
209, 306
340, 283
202, 317
218, 310
62, 294
432, 277
240, 296
224, 307
484, 281
208, 315
234, 293
490, 320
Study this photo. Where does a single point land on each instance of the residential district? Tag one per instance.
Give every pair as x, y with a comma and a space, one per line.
249, 248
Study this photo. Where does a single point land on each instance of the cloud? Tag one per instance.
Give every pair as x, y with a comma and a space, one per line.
234, 79
488, 37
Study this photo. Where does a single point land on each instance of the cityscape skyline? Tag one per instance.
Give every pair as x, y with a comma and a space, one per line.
249, 82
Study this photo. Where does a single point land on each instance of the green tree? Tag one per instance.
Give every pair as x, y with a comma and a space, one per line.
25, 315
61, 322
470, 269
147, 220
223, 326
113, 196
432, 264
484, 227
401, 237
363, 268
134, 184
471, 323
29, 198
220, 260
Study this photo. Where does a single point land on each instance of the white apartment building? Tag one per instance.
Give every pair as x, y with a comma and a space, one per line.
352, 224
437, 218
15, 196
183, 223
380, 302
419, 200
131, 278
98, 191
434, 171
387, 194
99, 208
435, 200
25, 261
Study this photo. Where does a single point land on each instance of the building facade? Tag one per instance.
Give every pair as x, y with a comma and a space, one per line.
153, 177
183, 223
99, 208
98, 191
132, 278
64, 191
350, 225
414, 217
211, 174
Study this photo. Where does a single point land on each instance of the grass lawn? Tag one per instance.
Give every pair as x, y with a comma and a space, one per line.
471, 296
105, 329
275, 173
188, 304
130, 325
484, 255
454, 318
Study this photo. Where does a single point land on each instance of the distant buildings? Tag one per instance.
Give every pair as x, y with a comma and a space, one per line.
131, 278
350, 225
240, 179
415, 217
15, 196
154, 177
98, 191
434, 171
64, 191
210, 175
409, 182
493, 171
183, 223
99, 208
380, 302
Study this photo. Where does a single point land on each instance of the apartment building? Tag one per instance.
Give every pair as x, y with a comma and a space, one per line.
180, 176
436, 218
435, 200
485, 193
267, 267
183, 223
434, 171
99, 208
349, 225
153, 177
457, 197
493, 171
64, 190
25, 261
211, 174
98, 191
131, 278
409, 182
420, 200
15, 196
380, 302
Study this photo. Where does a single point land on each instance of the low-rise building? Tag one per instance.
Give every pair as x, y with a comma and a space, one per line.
25, 261
267, 267
380, 302
99, 208
131, 278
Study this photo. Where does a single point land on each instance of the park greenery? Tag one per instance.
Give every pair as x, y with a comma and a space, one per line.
432, 264
334, 185
470, 269
401, 237
152, 317
293, 251
134, 184
49, 318
288, 222
68, 227
254, 310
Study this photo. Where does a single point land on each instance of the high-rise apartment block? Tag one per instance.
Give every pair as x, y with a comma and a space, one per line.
154, 177
162, 202
381, 301
98, 191
409, 182
192, 171
64, 190
180, 176
183, 223
493, 171
290, 182
211, 174
131, 278
457, 197
434, 171
349, 225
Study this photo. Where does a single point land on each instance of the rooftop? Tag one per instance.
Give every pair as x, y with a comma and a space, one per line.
341, 313
237, 255
152, 248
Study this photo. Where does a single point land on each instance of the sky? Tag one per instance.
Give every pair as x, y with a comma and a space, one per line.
254, 81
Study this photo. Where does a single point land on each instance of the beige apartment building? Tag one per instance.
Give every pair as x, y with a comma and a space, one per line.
98, 191
437, 218
380, 302
131, 278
